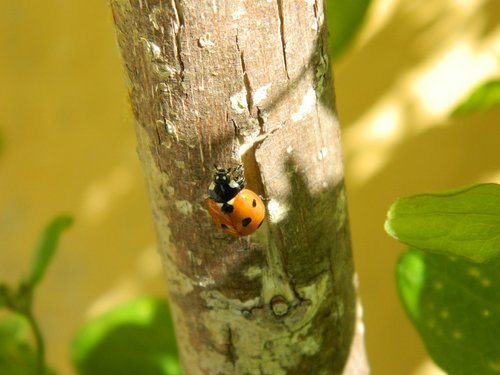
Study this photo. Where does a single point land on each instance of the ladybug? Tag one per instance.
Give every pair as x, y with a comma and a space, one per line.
238, 211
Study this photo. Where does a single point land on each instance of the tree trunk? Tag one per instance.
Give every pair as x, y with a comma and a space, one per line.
223, 82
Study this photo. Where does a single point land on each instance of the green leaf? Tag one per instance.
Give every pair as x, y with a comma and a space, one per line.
464, 222
135, 338
46, 248
344, 18
483, 97
17, 356
455, 307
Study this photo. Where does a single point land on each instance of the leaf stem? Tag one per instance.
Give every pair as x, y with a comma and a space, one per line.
40, 344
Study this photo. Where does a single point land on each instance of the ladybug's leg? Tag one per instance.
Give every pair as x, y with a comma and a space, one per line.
230, 230
238, 176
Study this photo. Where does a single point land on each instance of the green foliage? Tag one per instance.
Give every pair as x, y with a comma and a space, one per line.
455, 306
464, 222
135, 338
483, 97
16, 354
448, 280
344, 19
46, 248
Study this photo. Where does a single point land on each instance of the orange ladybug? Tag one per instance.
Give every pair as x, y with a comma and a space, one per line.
238, 211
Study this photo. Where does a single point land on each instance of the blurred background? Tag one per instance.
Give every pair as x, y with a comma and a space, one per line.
67, 146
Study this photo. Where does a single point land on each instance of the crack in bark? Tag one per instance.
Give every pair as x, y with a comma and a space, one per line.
315, 10
260, 119
275, 262
282, 35
157, 146
178, 26
236, 129
246, 80
274, 256
231, 348
248, 87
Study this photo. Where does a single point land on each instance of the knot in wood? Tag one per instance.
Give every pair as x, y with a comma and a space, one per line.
247, 314
279, 305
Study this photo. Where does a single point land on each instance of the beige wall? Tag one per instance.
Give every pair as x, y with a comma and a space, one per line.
69, 147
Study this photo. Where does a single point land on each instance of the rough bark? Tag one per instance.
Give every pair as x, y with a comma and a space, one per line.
219, 82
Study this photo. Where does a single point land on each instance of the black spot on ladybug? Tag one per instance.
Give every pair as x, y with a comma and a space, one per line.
254, 203
246, 221
260, 223
227, 208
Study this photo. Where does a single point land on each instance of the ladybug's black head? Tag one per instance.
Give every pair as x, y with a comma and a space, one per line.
222, 176
226, 184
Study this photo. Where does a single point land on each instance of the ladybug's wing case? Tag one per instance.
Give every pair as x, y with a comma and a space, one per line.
220, 218
249, 212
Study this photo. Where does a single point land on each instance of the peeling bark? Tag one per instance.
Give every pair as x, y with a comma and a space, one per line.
224, 82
